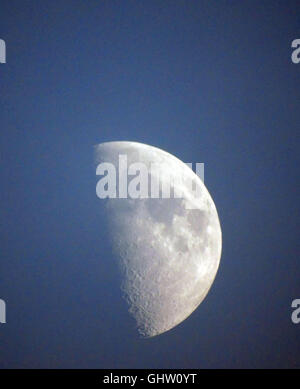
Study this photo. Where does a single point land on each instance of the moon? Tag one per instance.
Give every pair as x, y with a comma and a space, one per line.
167, 249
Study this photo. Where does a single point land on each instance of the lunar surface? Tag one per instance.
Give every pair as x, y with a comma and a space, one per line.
167, 249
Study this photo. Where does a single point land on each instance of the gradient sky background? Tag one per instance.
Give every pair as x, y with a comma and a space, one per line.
208, 81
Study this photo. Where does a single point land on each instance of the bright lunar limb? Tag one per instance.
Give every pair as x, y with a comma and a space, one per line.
168, 250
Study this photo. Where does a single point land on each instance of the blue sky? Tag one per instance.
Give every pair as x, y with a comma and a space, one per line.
208, 81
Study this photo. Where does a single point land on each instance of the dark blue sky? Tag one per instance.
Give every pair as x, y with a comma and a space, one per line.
208, 81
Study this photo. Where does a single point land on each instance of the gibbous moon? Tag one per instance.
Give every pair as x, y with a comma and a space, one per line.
168, 249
